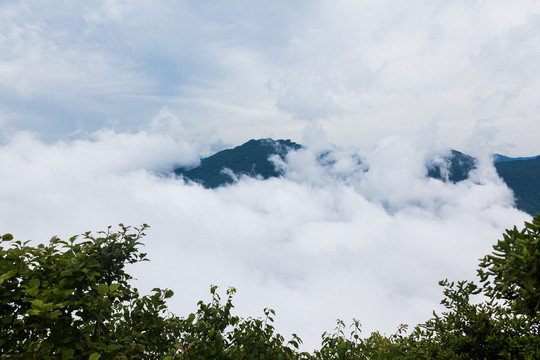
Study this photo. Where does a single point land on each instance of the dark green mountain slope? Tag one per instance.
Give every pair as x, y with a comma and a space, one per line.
523, 177
250, 159
459, 166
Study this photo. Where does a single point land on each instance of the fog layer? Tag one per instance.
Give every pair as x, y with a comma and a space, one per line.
346, 232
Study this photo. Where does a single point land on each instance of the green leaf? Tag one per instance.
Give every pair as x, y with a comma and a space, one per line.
94, 356
37, 303
53, 315
6, 276
68, 354
111, 347
34, 283
102, 289
34, 312
7, 237
32, 292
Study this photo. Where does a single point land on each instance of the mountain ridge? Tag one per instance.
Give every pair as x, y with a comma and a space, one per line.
497, 158
522, 174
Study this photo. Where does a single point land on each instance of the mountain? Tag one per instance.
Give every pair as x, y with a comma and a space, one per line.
501, 158
250, 159
522, 175
455, 168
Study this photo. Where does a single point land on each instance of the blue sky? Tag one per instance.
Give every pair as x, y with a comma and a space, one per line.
236, 70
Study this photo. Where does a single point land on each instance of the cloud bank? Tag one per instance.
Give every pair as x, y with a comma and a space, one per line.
345, 233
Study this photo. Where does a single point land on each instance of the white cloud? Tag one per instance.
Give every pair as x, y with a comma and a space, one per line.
380, 67
109, 10
45, 59
364, 69
366, 235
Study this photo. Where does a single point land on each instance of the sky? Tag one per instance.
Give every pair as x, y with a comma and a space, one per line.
238, 70
100, 100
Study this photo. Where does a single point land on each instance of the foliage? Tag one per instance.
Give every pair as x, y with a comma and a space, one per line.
506, 324
72, 300
514, 269
471, 330
214, 333
340, 346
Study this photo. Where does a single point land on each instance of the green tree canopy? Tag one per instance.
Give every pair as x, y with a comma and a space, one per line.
72, 299
512, 272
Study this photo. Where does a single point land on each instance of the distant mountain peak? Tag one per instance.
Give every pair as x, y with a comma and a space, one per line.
454, 168
278, 145
250, 158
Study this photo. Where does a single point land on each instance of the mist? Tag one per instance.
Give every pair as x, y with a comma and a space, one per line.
344, 233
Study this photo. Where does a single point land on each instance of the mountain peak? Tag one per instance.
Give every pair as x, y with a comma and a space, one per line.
250, 158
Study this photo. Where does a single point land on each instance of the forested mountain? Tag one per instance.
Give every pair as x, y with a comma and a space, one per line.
456, 167
250, 159
522, 175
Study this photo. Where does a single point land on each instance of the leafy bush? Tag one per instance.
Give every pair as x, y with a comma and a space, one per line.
506, 324
72, 299
514, 269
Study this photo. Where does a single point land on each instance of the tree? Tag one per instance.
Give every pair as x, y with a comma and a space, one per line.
213, 332
72, 299
506, 324
473, 330
512, 272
